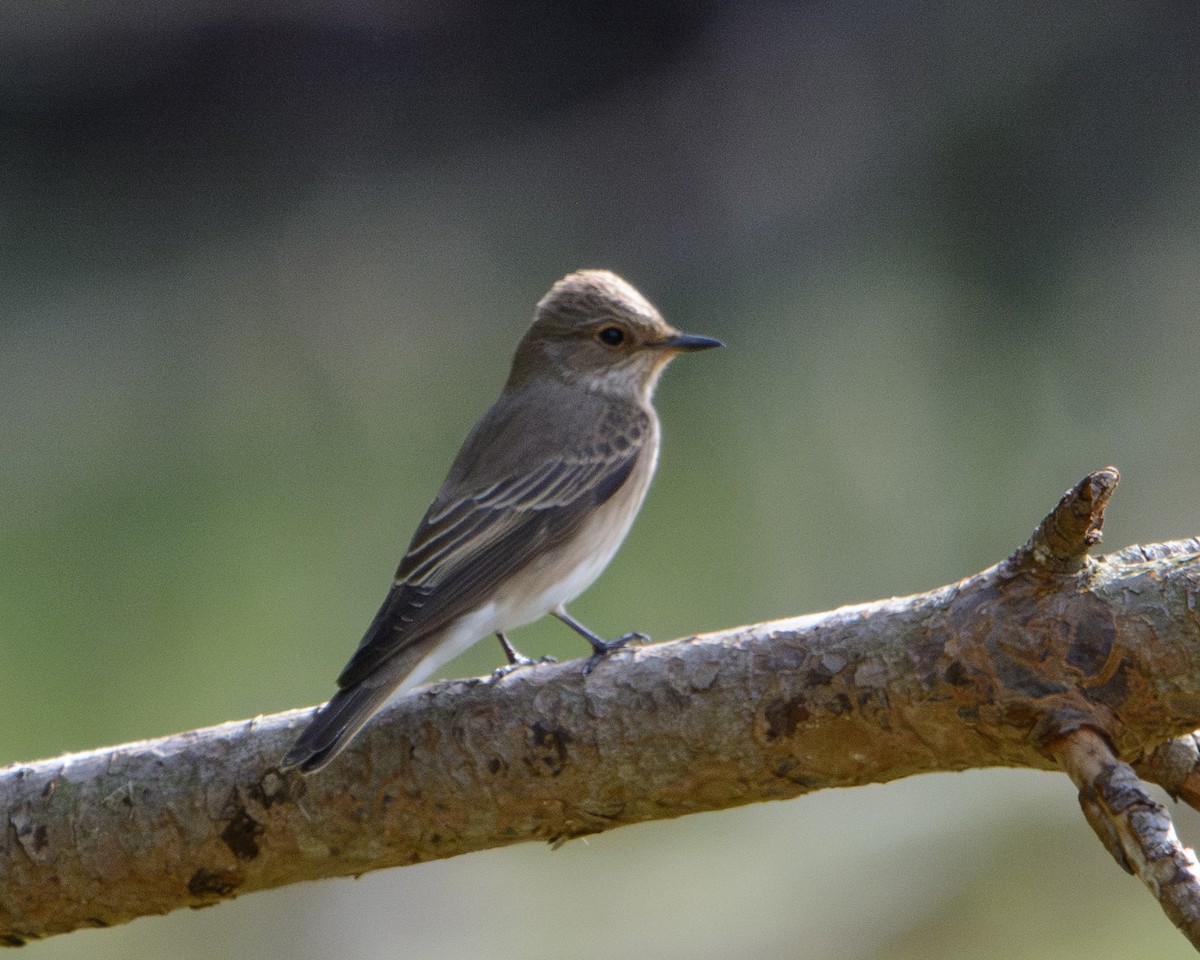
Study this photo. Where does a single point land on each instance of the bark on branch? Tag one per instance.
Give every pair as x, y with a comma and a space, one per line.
1050, 659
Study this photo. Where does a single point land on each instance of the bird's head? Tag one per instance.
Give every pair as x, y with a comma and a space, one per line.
594, 329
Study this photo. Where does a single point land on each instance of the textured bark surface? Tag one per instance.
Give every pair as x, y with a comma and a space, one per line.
1000, 669
1134, 827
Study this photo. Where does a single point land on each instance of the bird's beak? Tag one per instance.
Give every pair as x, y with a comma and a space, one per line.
688, 342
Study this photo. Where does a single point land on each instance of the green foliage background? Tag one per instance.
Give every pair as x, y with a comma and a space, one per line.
261, 272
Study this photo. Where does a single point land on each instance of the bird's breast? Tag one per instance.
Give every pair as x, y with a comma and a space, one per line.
562, 574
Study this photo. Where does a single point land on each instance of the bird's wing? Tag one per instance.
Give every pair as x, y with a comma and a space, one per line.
478, 534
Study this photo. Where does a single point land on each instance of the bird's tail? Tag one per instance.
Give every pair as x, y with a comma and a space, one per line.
335, 725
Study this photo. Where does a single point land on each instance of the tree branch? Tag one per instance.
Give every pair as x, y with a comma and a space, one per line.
1048, 658
1134, 827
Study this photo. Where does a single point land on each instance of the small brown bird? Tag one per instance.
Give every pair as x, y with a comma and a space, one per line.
536, 504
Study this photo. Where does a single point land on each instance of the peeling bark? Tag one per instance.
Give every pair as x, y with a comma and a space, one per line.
1015, 666
1134, 827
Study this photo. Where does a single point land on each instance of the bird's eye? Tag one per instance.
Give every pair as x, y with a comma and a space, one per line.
611, 336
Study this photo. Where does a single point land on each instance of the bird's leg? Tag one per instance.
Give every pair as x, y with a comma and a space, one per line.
600, 647
516, 659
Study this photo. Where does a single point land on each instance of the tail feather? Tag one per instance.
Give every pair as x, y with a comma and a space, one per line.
335, 725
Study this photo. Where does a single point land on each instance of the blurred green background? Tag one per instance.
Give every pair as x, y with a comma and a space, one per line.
261, 268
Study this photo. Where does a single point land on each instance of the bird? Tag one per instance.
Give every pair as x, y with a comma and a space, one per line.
537, 502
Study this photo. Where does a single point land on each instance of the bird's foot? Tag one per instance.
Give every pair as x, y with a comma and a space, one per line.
602, 648
519, 663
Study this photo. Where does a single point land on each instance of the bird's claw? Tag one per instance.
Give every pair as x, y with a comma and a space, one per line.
602, 648
520, 663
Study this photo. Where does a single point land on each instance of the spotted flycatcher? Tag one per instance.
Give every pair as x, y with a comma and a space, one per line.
538, 500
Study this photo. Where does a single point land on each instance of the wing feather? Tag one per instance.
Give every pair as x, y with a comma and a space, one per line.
469, 544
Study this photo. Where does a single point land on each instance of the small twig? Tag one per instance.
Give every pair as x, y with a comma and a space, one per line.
1134, 827
1175, 766
1060, 544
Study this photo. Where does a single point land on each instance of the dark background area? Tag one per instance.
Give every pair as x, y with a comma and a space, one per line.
262, 268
